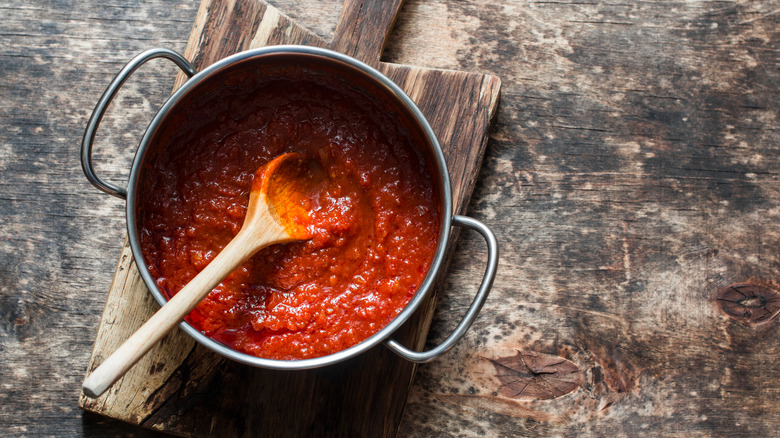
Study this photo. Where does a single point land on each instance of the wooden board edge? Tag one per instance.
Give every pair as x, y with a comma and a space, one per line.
83, 401
493, 84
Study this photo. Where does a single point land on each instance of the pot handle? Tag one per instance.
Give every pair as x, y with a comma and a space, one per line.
105, 100
476, 305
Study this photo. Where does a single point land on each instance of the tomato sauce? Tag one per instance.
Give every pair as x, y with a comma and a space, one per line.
375, 220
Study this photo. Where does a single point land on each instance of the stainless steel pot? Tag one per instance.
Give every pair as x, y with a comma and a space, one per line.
363, 76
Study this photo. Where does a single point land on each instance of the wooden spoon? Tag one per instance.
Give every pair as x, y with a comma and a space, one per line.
277, 213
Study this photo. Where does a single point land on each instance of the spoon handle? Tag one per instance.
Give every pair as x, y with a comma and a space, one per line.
243, 246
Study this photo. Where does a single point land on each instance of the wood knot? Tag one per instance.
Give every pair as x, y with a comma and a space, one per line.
534, 376
749, 303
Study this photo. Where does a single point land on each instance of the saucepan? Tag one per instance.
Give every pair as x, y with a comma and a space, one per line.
362, 77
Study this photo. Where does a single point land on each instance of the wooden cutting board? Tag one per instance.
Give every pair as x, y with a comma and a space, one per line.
183, 388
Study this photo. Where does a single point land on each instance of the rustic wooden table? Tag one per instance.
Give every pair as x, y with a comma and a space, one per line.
631, 179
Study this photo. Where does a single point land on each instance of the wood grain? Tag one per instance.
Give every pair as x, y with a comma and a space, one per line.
364, 27
631, 178
242, 401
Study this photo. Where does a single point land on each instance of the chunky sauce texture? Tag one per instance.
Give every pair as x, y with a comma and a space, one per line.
375, 222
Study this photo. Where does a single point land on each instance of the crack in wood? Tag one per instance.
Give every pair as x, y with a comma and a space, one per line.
749, 303
535, 376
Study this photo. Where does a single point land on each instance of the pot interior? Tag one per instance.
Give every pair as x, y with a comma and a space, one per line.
190, 182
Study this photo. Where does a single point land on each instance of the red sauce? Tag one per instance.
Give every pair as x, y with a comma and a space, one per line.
376, 219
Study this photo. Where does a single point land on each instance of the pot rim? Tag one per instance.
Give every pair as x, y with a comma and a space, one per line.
438, 160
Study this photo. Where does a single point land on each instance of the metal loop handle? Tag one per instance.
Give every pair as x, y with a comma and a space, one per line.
476, 305
105, 100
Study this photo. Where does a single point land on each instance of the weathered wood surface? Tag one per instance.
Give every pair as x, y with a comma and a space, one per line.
184, 389
631, 179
